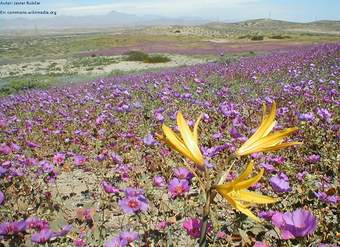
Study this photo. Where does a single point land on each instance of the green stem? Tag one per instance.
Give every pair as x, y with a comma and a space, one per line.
210, 196
204, 224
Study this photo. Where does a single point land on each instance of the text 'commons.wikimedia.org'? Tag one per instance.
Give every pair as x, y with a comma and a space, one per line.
24, 8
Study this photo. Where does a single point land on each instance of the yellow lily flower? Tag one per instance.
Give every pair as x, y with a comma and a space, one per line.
236, 192
188, 145
262, 141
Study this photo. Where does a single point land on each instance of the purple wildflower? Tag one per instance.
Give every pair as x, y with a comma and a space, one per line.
115, 242
324, 114
193, 227
162, 225
79, 160
308, 117
36, 223
280, 183
116, 158
109, 188
5, 149
59, 158
129, 236
31, 144
79, 242
313, 158
122, 240
178, 187
298, 223
183, 173
43, 236
149, 140
159, 181
11, 228
267, 215
322, 196
234, 133
269, 168
134, 202
260, 244
2, 198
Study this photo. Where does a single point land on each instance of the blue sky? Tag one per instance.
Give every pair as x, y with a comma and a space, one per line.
294, 10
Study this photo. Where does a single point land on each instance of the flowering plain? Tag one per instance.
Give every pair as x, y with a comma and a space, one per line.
83, 165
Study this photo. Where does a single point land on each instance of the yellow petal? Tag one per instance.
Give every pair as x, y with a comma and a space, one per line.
246, 211
265, 127
249, 182
224, 189
280, 146
267, 141
196, 128
246, 172
252, 197
230, 186
189, 140
176, 143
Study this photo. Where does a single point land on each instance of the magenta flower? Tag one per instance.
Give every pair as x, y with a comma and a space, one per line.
58, 158
133, 204
298, 223
183, 173
301, 175
2, 197
79, 160
109, 188
159, 117
268, 167
79, 242
324, 114
308, 117
159, 181
116, 158
115, 242
178, 187
5, 149
234, 133
43, 236
221, 235
31, 144
122, 240
193, 227
313, 158
65, 230
133, 191
260, 244
322, 196
149, 140
12, 228
129, 236
280, 183
162, 225
34, 222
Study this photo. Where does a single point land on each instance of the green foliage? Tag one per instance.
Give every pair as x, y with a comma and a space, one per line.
257, 37
136, 56
92, 61
16, 85
279, 36
146, 58
157, 59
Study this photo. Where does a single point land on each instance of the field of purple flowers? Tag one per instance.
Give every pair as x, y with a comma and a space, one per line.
87, 165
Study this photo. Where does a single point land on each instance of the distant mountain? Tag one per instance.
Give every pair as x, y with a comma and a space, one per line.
277, 25
124, 20
112, 19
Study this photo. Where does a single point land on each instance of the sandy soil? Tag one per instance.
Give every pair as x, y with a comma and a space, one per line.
62, 66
